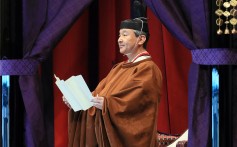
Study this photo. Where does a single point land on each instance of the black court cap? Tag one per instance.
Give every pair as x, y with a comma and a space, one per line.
139, 24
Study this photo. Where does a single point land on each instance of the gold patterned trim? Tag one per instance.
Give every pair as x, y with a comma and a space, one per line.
226, 13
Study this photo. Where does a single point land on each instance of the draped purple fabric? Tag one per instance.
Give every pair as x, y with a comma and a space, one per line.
44, 24
189, 22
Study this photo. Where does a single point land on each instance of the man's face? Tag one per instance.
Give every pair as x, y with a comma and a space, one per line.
127, 41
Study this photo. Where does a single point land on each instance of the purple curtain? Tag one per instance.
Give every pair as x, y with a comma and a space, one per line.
44, 24
189, 22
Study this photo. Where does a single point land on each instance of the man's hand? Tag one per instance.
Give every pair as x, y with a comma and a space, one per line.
98, 102
66, 102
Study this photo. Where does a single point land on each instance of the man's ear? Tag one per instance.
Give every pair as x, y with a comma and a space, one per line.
142, 39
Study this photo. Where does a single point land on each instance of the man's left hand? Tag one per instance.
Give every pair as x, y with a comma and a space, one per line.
98, 102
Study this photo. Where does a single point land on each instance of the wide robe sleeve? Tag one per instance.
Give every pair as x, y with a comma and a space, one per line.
129, 115
81, 125
81, 128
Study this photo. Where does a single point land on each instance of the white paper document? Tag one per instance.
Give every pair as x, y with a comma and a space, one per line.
183, 137
76, 92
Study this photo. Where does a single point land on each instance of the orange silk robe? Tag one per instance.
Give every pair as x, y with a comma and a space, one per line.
129, 116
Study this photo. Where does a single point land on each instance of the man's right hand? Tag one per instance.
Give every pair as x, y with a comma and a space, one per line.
66, 102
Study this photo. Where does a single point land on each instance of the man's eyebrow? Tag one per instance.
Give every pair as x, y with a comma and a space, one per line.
124, 31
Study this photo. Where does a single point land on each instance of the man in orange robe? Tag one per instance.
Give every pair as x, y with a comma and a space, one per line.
125, 101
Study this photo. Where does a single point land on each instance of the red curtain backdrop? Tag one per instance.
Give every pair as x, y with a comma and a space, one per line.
110, 14
71, 58
174, 60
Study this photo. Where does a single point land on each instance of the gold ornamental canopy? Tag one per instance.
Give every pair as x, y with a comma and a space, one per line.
227, 14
